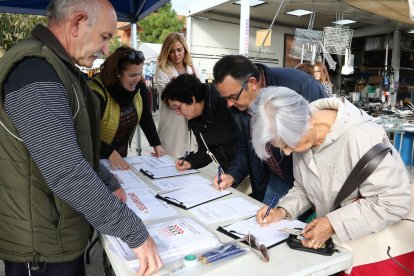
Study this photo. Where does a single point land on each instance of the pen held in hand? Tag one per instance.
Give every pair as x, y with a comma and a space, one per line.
270, 207
183, 158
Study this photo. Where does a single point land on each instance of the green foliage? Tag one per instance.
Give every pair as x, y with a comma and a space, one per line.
159, 24
15, 27
115, 43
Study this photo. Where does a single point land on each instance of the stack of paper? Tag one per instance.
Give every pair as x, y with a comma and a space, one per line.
146, 206
126, 178
174, 238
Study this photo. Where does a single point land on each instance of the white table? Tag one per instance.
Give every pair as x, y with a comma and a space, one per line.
283, 260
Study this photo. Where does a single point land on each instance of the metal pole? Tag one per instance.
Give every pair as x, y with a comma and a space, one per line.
134, 44
244, 27
269, 30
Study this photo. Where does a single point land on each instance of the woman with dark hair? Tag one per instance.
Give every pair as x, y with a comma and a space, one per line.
123, 100
208, 118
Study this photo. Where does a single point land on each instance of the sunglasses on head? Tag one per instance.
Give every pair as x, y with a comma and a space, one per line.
135, 55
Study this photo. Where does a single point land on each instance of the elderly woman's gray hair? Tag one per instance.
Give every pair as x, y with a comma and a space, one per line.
279, 115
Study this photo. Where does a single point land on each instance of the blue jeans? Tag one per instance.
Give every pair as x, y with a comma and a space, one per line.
277, 187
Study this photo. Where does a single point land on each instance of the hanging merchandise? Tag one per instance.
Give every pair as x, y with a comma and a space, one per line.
348, 67
337, 39
305, 44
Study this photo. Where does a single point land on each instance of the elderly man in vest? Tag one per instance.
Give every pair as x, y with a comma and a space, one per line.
51, 183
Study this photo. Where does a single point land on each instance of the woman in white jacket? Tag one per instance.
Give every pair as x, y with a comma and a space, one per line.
328, 137
174, 60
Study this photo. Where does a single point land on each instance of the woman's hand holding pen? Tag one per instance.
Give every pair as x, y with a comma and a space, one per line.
274, 215
226, 181
158, 151
182, 165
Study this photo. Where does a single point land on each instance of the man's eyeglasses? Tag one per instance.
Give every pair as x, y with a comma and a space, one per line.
235, 97
135, 55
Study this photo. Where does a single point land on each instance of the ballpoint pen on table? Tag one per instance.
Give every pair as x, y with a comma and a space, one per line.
270, 207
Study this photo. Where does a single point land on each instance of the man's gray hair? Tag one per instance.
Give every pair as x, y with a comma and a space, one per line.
60, 10
279, 114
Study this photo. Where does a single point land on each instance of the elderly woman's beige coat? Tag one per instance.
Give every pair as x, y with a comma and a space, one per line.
383, 199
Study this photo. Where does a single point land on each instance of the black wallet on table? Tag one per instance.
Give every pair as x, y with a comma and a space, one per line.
327, 249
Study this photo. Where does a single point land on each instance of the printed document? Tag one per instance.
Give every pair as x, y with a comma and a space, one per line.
150, 162
268, 235
165, 172
225, 209
179, 182
174, 238
146, 206
190, 197
127, 178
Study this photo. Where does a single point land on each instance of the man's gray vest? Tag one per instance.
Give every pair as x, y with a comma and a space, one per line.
35, 225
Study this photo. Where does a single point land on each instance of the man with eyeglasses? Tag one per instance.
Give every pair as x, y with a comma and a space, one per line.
238, 80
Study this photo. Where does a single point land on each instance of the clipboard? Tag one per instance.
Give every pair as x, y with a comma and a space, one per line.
190, 197
232, 233
163, 173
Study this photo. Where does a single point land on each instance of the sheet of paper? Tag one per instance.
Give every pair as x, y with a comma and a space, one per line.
166, 172
174, 183
127, 178
225, 209
174, 238
150, 162
267, 235
147, 206
190, 196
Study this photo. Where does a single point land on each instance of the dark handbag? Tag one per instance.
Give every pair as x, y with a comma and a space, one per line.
365, 166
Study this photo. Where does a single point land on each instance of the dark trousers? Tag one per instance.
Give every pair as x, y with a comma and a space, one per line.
73, 268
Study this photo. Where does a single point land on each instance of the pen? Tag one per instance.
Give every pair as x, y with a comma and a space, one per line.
219, 174
184, 157
270, 206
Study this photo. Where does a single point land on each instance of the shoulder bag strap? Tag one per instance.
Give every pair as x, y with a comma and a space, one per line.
365, 166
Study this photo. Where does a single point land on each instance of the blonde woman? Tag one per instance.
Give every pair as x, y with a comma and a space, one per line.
321, 74
174, 60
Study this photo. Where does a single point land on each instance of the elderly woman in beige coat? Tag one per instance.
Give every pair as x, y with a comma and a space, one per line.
328, 137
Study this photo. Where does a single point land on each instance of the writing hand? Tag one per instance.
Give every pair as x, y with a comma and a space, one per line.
226, 181
158, 151
182, 165
117, 162
274, 215
121, 195
317, 232
149, 260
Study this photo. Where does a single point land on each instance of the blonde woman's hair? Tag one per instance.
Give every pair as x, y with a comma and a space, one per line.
169, 42
324, 72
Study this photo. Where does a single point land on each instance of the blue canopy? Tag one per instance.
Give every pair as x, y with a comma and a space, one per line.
127, 10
